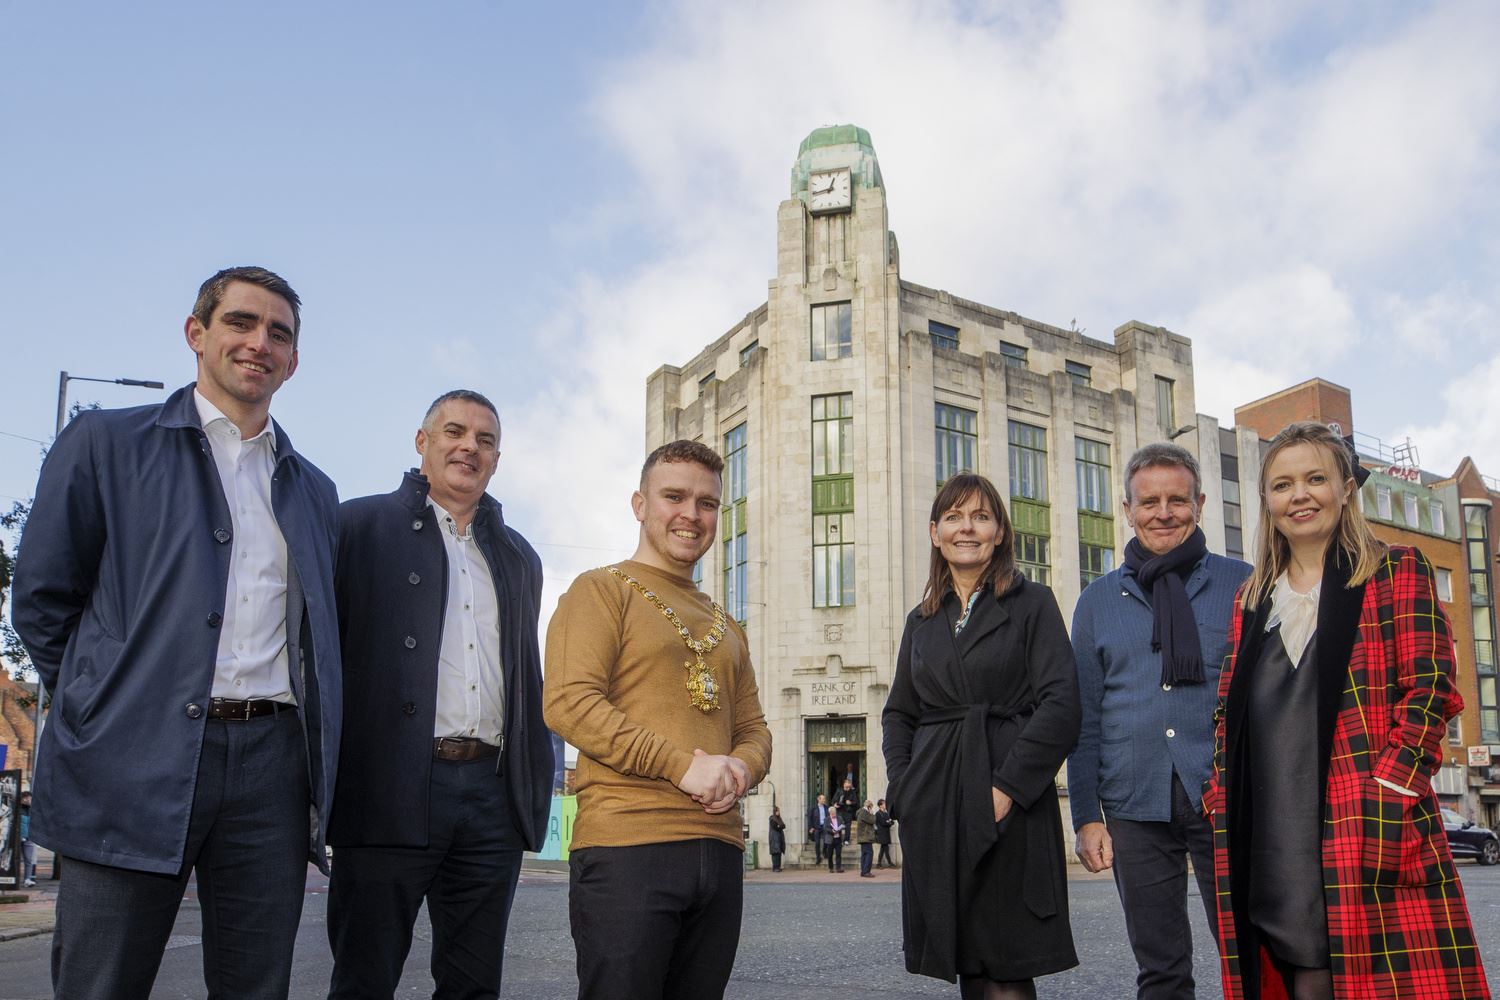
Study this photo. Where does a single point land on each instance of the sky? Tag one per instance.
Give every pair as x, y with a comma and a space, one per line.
546, 202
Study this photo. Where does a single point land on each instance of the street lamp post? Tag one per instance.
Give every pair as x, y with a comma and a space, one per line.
63, 378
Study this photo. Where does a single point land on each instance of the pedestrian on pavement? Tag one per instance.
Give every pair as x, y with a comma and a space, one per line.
883, 824
864, 836
28, 849
986, 672
833, 841
846, 801
776, 840
175, 591
1148, 639
1334, 875
438, 600
665, 752
817, 822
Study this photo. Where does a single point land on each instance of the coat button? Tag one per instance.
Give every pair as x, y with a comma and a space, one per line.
409, 709
1171, 733
411, 642
416, 525
194, 710
214, 618
414, 579
221, 535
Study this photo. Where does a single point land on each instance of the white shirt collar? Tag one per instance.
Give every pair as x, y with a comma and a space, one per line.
208, 414
1297, 614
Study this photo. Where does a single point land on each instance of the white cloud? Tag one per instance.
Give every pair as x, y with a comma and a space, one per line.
1298, 207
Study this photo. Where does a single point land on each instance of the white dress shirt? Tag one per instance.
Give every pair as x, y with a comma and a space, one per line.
252, 657
471, 685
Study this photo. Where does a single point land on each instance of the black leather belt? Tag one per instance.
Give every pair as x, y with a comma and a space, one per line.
463, 748
235, 710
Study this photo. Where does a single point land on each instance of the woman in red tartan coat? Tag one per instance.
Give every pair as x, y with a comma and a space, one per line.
1333, 871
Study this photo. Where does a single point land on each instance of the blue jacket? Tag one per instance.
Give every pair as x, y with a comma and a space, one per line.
119, 591
392, 586
1135, 733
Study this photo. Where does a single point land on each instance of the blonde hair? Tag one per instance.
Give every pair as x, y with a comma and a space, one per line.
1354, 539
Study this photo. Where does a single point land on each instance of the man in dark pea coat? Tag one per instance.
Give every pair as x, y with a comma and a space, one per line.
448, 765
175, 591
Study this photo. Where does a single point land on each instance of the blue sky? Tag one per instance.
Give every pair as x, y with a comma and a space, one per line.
546, 202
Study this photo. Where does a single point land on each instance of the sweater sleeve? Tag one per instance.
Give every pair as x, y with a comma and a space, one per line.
752, 737
583, 647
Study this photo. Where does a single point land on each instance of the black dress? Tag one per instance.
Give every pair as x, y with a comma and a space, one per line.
1286, 836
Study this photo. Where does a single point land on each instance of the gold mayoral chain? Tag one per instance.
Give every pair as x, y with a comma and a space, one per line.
703, 689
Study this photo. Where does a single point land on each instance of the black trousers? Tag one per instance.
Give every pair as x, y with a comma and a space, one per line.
656, 921
1151, 876
467, 873
884, 857
247, 847
835, 853
866, 856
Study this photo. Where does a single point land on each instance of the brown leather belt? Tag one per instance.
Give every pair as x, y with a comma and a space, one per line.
234, 710
462, 748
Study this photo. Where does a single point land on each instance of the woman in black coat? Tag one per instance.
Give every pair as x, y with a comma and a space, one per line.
777, 838
982, 712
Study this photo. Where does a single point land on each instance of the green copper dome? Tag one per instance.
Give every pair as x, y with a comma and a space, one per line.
834, 146
837, 135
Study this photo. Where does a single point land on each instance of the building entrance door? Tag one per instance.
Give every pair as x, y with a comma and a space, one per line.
835, 750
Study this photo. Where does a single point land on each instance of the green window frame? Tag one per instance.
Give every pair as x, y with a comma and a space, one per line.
955, 440
1092, 468
833, 500
1028, 461
832, 331
735, 524
1166, 406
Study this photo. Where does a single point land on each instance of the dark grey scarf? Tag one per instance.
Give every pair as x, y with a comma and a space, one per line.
1174, 631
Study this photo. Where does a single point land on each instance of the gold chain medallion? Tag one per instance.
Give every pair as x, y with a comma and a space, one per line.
703, 688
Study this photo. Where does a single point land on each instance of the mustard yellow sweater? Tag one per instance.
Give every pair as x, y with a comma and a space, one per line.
616, 689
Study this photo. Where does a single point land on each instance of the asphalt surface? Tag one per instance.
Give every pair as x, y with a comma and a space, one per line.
805, 935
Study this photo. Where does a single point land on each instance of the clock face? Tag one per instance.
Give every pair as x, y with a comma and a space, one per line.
828, 191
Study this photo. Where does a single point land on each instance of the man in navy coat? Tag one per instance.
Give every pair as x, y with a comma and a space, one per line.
175, 590
447, 764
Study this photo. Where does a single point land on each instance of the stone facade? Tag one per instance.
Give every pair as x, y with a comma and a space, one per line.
825, 646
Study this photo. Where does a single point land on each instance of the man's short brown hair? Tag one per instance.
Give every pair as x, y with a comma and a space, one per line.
684, 451
211, 293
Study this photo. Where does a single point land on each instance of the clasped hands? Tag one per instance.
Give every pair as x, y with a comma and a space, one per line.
715, 781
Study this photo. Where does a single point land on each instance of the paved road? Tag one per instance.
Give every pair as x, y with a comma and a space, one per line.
804, 935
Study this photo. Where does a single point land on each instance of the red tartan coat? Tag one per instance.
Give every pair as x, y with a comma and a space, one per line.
1397, 922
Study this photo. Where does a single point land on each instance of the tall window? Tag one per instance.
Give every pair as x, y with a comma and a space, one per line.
1435, 514
1014, 355
957, 439
1482, 600
1444, 584
1028, 461
1078, 373
1093, 475
1031, 515
1409, 510
1096, 525
1234, 529
943, 335
833, 500
747, 352
735, 529
832, 331
1166, 406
